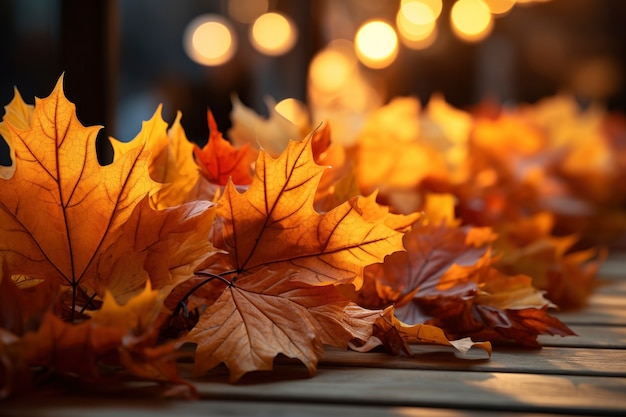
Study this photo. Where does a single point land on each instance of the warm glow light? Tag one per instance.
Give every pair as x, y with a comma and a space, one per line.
273, 34
421, 11
246, 11
416, 36
417, 12
471, 20
332, 66
376, 44
209, 40
499, 7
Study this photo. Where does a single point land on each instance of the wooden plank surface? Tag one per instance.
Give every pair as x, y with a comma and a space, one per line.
436, 388
560, 361
81, 406
583, 375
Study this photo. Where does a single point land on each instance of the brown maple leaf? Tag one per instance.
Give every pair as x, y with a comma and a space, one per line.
446, 278
397, 337
266, 313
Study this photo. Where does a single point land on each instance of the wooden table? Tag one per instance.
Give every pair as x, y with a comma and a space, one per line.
583, 375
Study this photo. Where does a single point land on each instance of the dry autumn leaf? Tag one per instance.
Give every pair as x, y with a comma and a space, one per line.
99, 235
446, 278
267, 313
283, 264
88, 207
274, 224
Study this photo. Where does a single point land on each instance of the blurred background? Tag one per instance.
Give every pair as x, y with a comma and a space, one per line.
122, 58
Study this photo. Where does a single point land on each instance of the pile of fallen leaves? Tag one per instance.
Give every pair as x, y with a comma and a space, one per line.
432, 227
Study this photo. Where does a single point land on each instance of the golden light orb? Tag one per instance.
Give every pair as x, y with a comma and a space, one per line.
376, 44
273, 34
471, 20
209, 40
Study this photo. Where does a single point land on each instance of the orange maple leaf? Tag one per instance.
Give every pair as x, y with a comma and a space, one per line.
219, 161
274, 224
285, 260
84, 234
171, 160
18, 114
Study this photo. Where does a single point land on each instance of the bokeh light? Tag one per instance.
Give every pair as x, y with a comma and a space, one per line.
209, 40
415, 35
376, 44
421, 11
471, 20
273, 34
247, 11
499, 7
331, 68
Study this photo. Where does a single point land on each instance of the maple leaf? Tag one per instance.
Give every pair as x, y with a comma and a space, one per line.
528, 247
57, 173
138, 351
171, 160
274, 224
392, 158
18, 114
87, 206
219, 161
446, 278
24, 302
287, 261
265, 314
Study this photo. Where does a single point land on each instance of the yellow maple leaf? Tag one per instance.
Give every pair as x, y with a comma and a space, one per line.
136, 315
65, 217
18, 114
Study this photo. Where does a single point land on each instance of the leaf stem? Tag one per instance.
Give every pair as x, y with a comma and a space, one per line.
74, 287
89, 301
182, 304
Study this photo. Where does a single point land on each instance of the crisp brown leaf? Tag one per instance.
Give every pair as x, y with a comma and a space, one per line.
267, 313
397, 337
